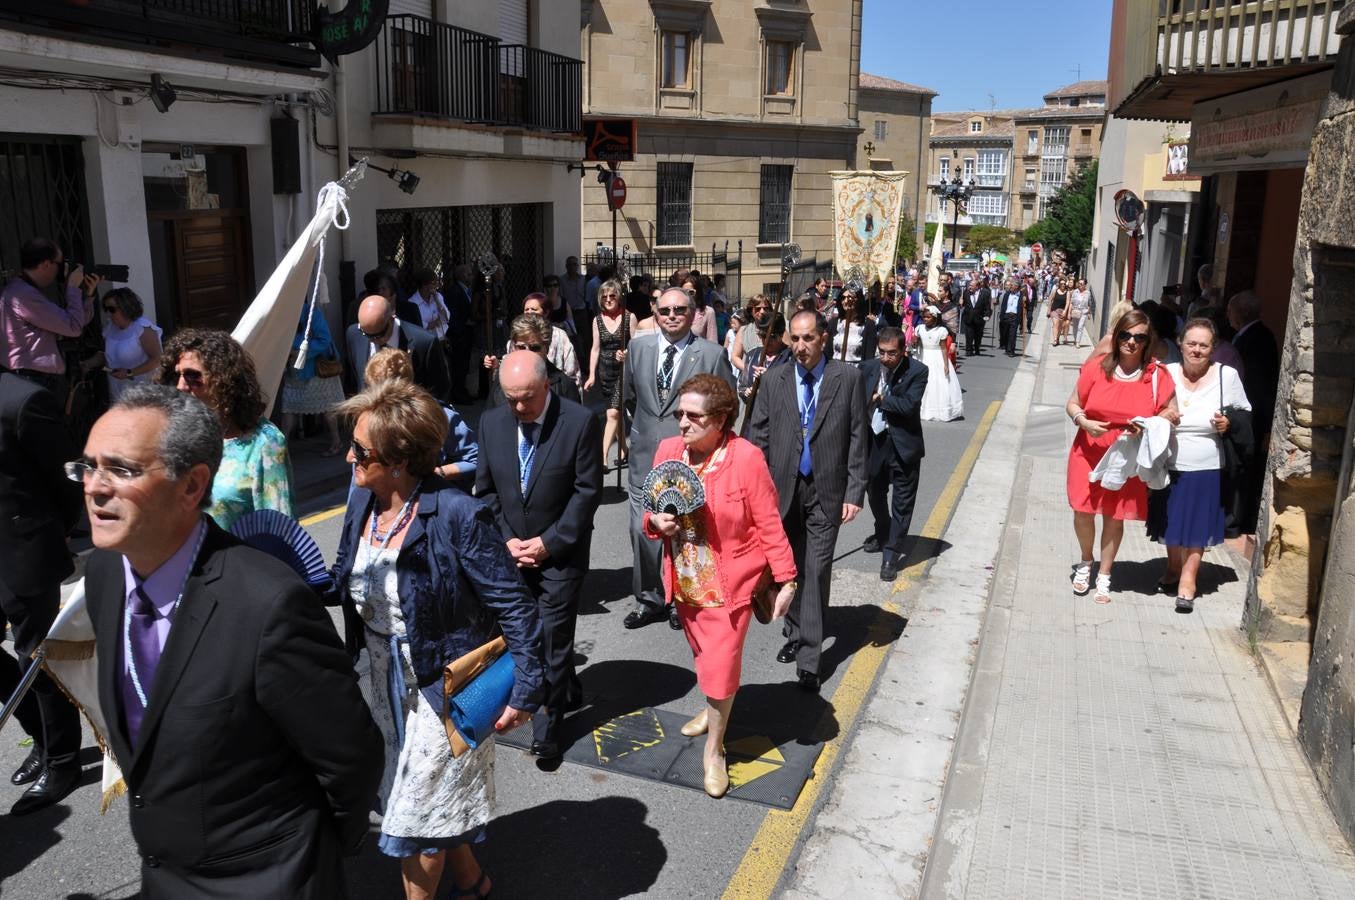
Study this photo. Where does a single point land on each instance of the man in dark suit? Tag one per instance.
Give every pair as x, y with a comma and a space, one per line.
819, 470
38, 508
250, 758
1011, 313
1255, 343
977, 307
540, 471
460, 307
893, 385
656, 366
377, 327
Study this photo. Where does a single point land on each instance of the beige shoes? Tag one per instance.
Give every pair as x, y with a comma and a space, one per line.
696, 725
717, 779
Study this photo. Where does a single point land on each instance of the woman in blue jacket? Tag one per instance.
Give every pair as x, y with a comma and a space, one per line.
424, 577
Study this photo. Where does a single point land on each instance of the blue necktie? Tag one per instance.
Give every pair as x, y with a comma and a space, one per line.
806, 423
525, 453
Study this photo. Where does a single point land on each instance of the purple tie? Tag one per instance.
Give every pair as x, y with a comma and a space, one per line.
146, 656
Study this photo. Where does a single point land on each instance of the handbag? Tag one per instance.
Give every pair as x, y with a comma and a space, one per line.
764, 596
328, 367
478, 686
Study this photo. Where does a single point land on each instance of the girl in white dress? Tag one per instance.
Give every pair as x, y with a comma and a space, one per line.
942, 401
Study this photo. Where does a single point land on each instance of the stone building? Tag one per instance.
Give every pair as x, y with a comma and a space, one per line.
1017, 158
1268, 91
741, 112
895, 125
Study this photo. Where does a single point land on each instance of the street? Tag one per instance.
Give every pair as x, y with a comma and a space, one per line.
585, 832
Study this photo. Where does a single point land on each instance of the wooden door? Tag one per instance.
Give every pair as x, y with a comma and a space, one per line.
212, 267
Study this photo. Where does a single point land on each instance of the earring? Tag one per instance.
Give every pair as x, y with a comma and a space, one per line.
395, 473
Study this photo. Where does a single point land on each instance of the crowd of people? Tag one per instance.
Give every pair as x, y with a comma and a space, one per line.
221, 674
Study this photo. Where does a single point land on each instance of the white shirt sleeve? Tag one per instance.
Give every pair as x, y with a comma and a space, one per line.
1233, 392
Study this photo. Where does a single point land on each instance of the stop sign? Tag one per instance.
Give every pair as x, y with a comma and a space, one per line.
1037, 247
616, 193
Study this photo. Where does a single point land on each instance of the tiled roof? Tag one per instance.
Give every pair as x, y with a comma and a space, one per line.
880, 83
959, 128
1081, 89
1060, 112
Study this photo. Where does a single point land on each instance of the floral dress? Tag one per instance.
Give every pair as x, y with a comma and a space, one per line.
254, 474
697, 581
429, 799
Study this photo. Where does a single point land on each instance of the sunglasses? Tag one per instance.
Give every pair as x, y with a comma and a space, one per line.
110, 309
189, 376
380, 334
1139, 339
696, 418
361, 454
672, 310
535, 348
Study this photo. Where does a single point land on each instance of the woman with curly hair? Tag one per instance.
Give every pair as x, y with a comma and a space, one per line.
254, 473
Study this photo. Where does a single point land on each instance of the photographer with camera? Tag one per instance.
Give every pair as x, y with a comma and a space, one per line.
31, 323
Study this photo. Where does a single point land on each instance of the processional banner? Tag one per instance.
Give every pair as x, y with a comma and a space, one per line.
866, 213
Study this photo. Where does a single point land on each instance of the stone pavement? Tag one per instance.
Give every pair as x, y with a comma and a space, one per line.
1120, 750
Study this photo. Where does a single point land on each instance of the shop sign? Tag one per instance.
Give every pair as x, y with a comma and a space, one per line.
1267, 128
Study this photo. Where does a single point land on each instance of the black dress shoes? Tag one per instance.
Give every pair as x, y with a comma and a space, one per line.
787, 654
889, 569
29, 770
809, 682
645, 615
872, 544
52, 787
673, 621
546, 749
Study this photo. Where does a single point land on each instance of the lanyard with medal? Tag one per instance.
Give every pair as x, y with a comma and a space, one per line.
141, 695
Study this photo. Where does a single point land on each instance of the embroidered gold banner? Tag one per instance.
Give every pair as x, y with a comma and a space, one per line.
866, 209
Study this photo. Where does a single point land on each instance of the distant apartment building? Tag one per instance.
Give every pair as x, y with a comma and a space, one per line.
741, 112
895, 126
1017, 158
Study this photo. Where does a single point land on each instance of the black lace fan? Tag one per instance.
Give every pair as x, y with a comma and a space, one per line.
674, 487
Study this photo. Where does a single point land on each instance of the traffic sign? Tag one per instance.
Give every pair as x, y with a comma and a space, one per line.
1037, 247
616, 192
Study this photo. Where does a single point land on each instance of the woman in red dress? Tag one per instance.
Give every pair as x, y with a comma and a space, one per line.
715, 558
1112, 389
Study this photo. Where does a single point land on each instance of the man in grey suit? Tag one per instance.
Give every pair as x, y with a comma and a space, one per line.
819, 470
655, 368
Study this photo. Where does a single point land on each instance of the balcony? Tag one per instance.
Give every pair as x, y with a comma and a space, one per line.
432, 70
271, 32
1180, 52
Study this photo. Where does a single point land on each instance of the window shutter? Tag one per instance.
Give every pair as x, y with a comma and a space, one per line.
412, 8
513, 22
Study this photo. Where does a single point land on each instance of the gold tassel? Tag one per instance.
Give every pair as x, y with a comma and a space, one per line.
116, 790
69, 650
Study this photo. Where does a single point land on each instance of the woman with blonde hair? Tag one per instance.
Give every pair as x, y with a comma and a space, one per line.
612, 331
1107, 342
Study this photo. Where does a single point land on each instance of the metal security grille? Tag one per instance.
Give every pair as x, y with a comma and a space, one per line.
42, 194
774, 205
439, 238
675, 204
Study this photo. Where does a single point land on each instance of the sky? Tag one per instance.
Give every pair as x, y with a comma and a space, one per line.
967, 50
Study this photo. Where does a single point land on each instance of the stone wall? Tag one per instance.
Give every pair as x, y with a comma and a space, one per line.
1309, 569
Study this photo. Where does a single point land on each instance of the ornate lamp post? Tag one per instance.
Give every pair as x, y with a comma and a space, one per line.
956, 192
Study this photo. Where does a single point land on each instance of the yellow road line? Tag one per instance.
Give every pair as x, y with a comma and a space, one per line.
323, 514
767, 856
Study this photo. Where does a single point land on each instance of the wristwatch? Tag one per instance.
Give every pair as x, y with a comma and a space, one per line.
793, 585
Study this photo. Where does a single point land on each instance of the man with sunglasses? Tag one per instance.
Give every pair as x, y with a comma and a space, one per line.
31, 323
378, 327
655, 368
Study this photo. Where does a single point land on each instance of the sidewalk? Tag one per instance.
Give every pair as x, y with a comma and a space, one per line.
1120, 750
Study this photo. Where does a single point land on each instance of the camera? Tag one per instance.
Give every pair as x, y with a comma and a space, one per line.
113, 273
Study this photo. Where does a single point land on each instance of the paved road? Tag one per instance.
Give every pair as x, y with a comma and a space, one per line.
598, 834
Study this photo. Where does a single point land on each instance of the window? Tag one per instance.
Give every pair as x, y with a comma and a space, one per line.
676, 59
774, 205
1053, 172
992, 168
1086, 134
881, 129
1055, 140
976, 126
988, 208
945, 168
674, 212
969, 168
1030, 178
1032, 142
780, 61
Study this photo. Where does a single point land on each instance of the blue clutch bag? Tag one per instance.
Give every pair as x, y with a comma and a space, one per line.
479, 686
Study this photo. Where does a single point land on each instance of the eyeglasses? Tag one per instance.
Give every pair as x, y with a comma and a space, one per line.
361, 454
1137, 337
78, 470
696, 418
189, 376
375, 336
535, 348
672, 311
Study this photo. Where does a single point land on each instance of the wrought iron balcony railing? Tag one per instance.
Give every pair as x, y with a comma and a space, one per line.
271, 31
434, 70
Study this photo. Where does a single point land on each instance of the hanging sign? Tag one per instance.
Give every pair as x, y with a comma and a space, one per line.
349, 30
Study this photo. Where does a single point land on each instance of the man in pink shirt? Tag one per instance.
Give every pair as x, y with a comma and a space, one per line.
31, 324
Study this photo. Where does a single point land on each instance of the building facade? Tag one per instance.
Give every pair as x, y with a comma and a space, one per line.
1017, 158
201, 199
895, 125
1266, 88
740, 115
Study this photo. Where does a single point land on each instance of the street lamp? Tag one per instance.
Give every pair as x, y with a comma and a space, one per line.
958, 193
